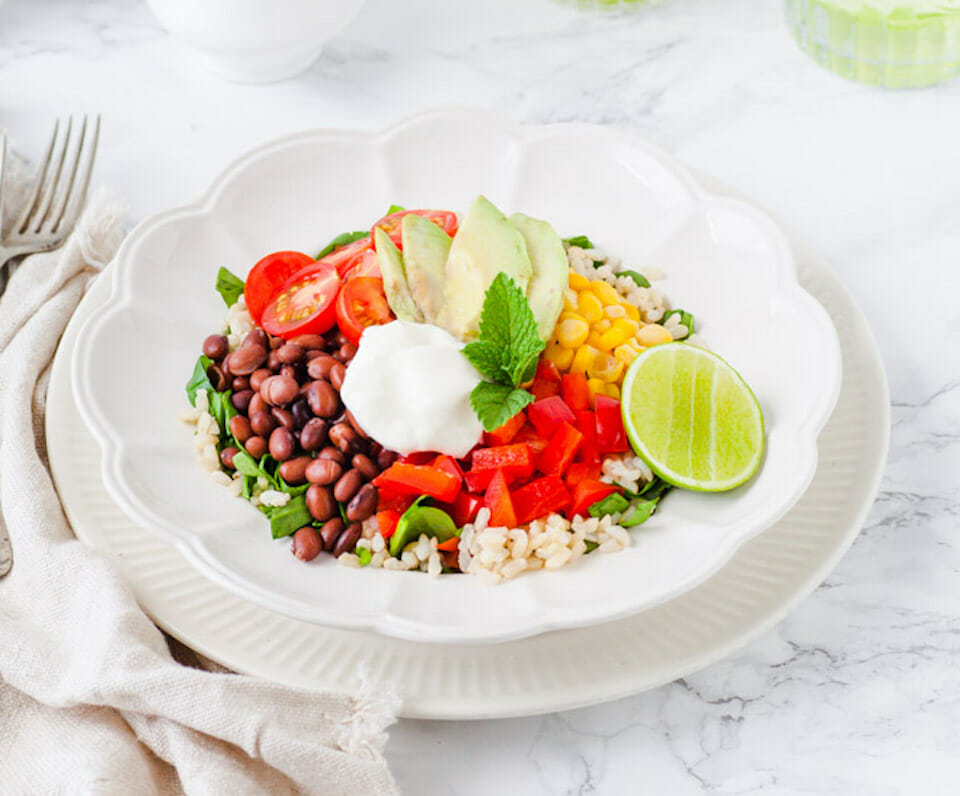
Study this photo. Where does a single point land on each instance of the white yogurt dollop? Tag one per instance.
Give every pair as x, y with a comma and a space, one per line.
409, 388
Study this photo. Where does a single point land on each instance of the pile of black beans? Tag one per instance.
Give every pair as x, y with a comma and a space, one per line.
287, 395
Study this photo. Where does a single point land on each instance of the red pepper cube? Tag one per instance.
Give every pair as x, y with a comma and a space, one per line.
586, 422
449, 465
497, 499
541, 388
515, 460
547, 371
479, 480
560, 451
575, 392
464, 509
539, 498
548, 413
391, 500
418, 457
587, 493
505, 434
611, 438
582, 471
419, 479
387, 522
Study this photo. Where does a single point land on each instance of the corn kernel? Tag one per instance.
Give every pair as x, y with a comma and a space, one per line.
572, 333
578, 282
589, 306
611, 338
570, 315
605, 367
583, 358
595, 339
596, 387
602, 326
654, 334
614, 311
629, 326
612, 390
570, 300
626, 353
604, 292
559, 356
632, 312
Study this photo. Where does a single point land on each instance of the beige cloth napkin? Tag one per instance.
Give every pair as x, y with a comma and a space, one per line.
91, 700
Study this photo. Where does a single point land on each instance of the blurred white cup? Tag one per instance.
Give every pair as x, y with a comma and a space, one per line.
256, 41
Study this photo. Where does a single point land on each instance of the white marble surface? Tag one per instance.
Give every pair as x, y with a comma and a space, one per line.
858, 691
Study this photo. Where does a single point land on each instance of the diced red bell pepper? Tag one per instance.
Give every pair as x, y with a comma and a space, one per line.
464, 509
418, 457
449, 465
451, 545
587, 493
548, 413
497, 499
582, 471
575, 392
560, 451
539, 498
531, 437
541, 388
387, 522
391, 500
478, 480
587, 425
611, 438
419, 479
547, 371
505, 434
515, 460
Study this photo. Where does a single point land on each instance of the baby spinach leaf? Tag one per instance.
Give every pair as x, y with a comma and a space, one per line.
579, 240
285, 520
591, 546
229, 286
640, 511
418, 520
685, 318
636, 276
199, 379
246, 465
394, 209
364, 554
611, 504
343, 239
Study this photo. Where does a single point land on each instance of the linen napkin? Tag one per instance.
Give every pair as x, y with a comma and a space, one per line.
91, 699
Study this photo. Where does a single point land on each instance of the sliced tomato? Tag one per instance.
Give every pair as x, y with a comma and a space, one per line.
268, 277
363, 264
362, 303
344, 256
305, 304
444, 219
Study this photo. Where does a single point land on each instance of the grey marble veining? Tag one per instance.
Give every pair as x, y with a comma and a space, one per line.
858, 690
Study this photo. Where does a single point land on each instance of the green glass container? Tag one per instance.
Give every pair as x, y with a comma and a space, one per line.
891, 43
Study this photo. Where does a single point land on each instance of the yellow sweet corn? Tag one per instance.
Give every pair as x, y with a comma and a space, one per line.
605, 367
589, 306
596, 339
653, 334
619, 332
612, 390
604, 292
602, 326
632, 312
572, 333
596, 387
614, 311
626, 353
583, 358
559, 356
578, 282
570, 300
570, 315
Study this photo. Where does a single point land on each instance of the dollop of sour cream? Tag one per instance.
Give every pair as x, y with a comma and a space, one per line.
409, 388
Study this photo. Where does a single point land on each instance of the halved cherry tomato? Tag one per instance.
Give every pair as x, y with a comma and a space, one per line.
267, 278
305, 304
361, 303
444, 219
363, 264
340, 258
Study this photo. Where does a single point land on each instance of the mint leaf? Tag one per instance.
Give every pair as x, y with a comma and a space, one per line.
486, 357
637, 277
229, 286
579, 240
495, 404
199, 379
343, 239
507, 321
685, 318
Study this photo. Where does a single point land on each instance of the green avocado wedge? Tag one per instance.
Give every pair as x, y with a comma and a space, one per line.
548, 284
425, 250
395, 279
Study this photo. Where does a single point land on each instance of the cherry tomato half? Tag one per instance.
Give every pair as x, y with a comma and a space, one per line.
444, 219
268, 276
342, 257
363, 264
362, 303
305, 304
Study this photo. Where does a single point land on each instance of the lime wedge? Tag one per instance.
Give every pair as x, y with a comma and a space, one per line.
692, 418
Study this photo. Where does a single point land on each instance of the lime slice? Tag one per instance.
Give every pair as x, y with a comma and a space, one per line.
692, 418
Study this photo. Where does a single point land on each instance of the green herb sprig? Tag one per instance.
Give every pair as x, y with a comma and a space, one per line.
229, 286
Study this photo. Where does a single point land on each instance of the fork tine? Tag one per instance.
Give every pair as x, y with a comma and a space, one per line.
50, 189
75, 201
33, 199
59, 207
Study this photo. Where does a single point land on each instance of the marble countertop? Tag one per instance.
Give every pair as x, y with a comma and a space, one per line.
858, 691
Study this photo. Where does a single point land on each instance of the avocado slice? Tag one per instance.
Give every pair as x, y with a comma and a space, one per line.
485, 245
550, 271
395, 278
425, 250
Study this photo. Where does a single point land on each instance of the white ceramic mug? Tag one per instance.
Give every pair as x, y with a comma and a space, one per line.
256, 41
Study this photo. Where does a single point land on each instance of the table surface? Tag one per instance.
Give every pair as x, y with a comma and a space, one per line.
857, 691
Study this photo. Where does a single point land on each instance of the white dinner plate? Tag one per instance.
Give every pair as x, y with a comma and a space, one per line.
760, 584
726, 262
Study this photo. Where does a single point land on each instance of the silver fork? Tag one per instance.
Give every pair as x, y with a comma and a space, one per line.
57, 196
47, 218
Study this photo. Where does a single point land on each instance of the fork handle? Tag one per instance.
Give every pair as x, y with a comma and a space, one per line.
8, 253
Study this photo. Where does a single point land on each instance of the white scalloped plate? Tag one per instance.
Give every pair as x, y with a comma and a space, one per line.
761, 583
726, 261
